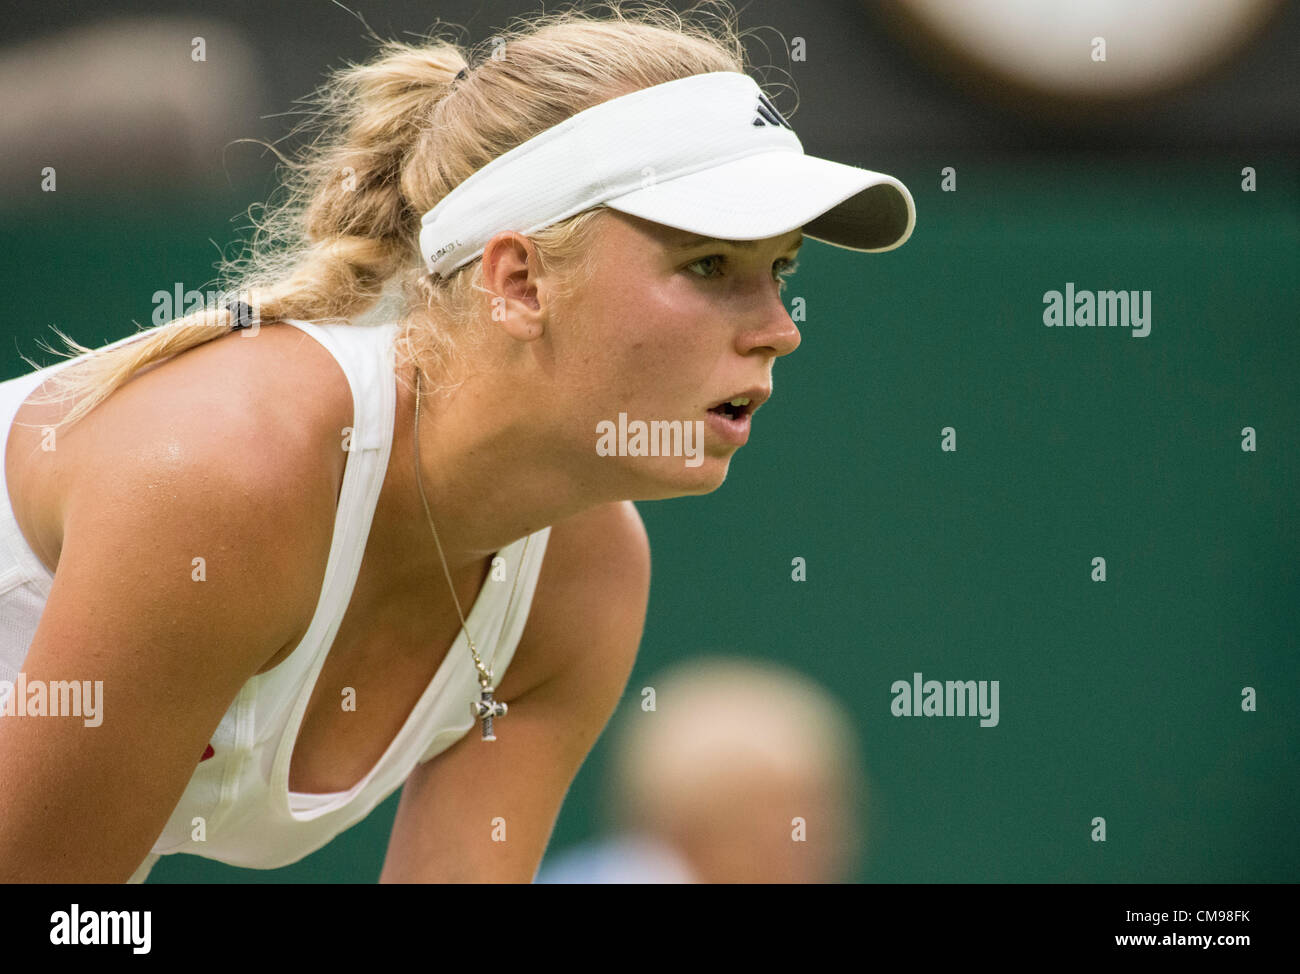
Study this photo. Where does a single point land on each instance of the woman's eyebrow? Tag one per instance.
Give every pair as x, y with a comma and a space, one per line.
692, 241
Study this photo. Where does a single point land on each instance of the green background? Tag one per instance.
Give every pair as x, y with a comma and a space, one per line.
1119, 699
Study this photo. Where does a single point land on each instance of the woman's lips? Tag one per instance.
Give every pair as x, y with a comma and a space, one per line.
733, 430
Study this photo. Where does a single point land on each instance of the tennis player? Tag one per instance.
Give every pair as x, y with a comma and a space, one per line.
263, 565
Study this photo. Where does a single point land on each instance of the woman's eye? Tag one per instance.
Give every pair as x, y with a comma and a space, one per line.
787, 266
704, 260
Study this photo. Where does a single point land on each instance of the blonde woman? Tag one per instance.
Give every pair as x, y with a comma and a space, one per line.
290, 562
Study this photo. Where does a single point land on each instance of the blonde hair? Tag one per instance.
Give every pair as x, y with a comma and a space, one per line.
399, 133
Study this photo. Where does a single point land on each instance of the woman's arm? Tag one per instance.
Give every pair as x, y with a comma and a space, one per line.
585, 626
83, 803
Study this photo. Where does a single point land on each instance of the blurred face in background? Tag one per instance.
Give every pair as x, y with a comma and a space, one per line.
748, 773
755, 825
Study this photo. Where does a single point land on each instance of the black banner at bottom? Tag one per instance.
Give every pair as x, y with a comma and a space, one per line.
608, 926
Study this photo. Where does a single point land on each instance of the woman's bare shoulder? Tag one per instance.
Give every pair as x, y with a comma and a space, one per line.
270, 404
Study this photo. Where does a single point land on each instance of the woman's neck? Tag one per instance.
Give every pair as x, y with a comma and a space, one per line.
488, 476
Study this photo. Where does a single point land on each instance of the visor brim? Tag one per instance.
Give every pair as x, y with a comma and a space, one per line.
769, 194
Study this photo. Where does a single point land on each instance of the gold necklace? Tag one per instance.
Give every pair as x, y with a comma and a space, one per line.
485, 707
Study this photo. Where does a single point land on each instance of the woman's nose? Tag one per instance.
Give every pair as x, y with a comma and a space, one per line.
778, 332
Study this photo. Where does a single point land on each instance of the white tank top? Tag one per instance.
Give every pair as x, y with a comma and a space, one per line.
241, 788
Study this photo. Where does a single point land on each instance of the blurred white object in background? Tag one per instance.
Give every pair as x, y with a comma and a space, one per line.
126, 102
632, 859
1047, 45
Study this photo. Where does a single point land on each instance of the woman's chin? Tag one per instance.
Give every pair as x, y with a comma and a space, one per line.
676, 477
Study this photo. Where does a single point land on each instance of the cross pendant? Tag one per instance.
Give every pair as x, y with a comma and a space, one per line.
487, 708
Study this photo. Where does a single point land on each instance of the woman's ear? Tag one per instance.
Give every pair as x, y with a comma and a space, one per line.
512, 276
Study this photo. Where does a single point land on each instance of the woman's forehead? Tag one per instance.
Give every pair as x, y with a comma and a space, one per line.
674, 238
790, 240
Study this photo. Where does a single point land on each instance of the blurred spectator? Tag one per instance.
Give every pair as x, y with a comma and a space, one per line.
742, 773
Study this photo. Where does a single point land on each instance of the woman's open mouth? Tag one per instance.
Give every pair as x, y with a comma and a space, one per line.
729, 419
734, 408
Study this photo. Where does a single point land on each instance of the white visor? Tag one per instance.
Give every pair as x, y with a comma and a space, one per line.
708, 154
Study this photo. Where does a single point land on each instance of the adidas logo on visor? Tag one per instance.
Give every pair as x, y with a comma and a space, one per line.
768, 115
